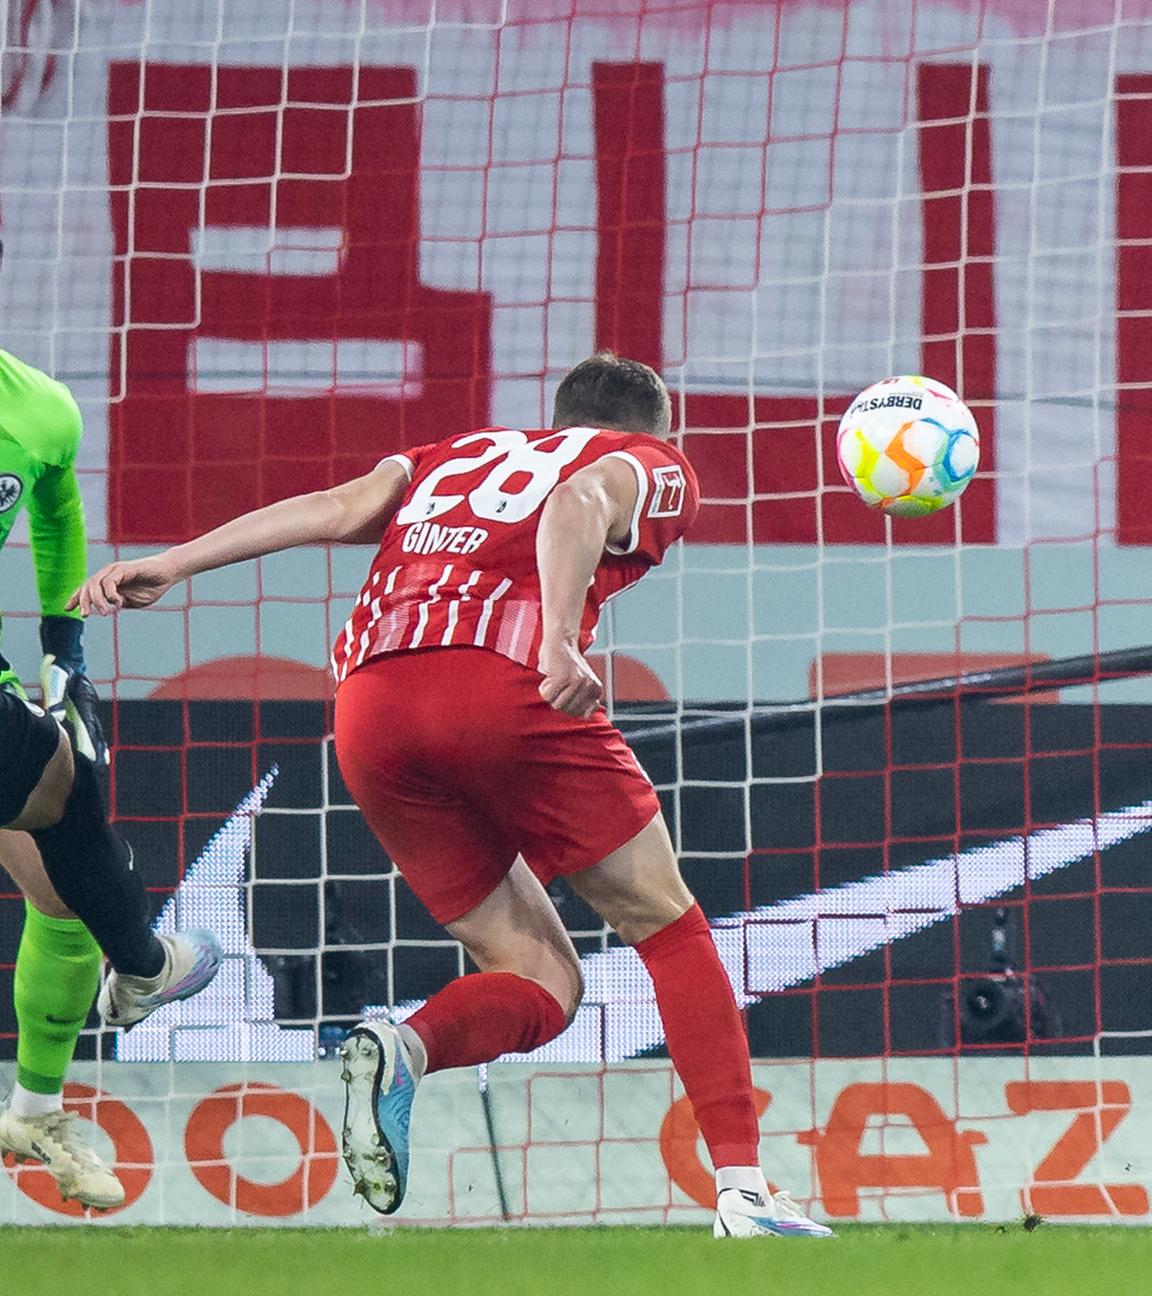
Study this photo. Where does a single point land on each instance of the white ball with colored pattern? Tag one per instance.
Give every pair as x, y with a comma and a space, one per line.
908, 446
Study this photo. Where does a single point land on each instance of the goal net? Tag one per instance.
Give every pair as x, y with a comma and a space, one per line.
267, 243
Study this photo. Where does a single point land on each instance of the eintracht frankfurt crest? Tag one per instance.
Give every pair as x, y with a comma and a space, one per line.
11, 488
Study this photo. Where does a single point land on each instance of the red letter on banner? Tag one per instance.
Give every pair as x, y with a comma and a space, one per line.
680, 1148
1102, 1107
272, 333
1133, 306
133, 1160
794, 437
204, 1148
949, 1165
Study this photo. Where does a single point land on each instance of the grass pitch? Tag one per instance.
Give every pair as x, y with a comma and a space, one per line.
862, 1261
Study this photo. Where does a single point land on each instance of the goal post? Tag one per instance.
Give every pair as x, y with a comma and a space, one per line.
905, 762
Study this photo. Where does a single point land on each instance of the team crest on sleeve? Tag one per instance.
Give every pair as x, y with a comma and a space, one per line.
668, 488
11, 488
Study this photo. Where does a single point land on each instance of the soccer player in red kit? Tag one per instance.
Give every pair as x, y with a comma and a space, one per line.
470, 730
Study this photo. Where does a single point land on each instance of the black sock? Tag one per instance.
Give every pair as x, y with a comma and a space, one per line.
90, 866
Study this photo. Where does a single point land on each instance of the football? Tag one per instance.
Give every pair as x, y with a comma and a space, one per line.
908, 446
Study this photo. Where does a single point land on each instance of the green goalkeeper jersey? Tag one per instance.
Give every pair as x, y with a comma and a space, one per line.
40, 429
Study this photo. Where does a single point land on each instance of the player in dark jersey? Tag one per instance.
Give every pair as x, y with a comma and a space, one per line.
470, 730
50, 792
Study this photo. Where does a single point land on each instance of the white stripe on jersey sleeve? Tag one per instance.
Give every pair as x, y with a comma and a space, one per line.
633, 537
401, 459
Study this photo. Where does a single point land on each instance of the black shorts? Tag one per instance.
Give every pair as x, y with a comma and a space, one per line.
28, 741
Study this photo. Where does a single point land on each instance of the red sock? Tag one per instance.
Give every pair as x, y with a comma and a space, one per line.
705, 1035
477, 1018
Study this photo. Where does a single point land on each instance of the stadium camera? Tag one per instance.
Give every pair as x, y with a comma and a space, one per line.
1000, 1007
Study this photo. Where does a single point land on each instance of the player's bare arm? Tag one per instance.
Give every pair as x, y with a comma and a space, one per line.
356, 512
590, 510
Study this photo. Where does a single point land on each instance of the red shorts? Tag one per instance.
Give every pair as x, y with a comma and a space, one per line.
459, 766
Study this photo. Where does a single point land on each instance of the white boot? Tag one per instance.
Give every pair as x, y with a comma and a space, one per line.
54, 1141
740, 1213
191, 960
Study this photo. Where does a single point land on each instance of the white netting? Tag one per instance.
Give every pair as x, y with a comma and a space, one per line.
268, 242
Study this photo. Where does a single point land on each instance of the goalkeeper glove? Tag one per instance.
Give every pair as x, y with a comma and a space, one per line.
69, 697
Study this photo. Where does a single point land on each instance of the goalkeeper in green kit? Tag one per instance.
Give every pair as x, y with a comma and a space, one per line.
72, 868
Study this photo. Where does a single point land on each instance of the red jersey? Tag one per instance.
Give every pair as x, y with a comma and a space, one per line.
457, 564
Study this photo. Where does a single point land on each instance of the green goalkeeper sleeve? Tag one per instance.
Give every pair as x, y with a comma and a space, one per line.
40, 429
59, 538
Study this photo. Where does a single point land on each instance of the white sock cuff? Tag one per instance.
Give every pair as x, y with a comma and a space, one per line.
416, 1050
746, 1178
29, 1105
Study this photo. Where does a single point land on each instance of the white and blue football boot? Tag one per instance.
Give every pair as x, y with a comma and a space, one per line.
752, 1214
191, 961
379, 1085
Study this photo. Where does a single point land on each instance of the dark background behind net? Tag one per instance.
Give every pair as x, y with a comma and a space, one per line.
899, 786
